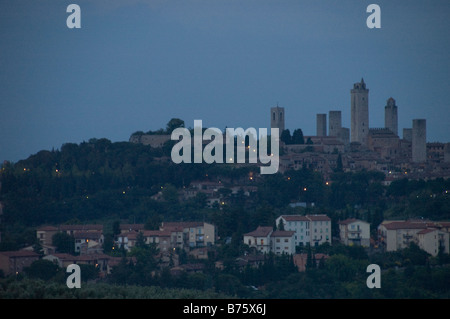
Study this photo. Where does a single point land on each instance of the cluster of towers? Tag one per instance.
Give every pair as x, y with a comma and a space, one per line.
359, 130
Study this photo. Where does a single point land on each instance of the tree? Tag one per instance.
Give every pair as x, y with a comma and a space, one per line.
280, 225
339, 164
173, 124
170, 193
116, 228
285, 137
297, 137
42, 269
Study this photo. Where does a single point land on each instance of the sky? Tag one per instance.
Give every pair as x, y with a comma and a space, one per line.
133, 65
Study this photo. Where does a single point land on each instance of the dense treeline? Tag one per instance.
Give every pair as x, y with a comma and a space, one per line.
102, 181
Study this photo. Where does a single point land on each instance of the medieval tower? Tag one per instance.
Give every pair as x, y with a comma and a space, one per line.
277, 118
390, 116
321, 125
359, 113
334, 123
419, 140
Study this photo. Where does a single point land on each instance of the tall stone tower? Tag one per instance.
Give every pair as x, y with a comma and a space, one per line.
277, 118
334, 123
359, 113
321, 125
390, 116
419, 140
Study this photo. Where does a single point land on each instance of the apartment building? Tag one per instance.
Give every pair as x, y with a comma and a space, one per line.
172, 235
354, 232
308, 229
264, 239
428, 235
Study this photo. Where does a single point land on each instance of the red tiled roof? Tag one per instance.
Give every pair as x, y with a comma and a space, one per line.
349, 221
181, 224
261, 231
306, 218
318, 217
292, 218
405, 225
282, 233
47, 228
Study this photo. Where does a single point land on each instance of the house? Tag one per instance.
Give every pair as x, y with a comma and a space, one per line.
13, 262
259, 239
428, 235
308, 229
184, 235
72, 229
88, 242
283, 242
162, 239
429, 240
265, 240
45, 234
354, 232
126, 228
191, 234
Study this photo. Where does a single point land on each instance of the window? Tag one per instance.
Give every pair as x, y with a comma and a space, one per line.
278, 240
286, 240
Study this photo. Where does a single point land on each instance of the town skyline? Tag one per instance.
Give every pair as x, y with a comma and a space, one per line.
134, 65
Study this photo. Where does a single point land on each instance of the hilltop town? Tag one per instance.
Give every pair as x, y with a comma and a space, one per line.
360, 147
343, 198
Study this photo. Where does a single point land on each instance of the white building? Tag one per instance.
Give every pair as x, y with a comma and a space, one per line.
309, 229
428, 235
283, 242
259, 239
265, 240
354, 232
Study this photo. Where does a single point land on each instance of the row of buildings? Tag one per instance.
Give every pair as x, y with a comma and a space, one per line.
430, 236
89, 239
197, 238
305, 230
314, 230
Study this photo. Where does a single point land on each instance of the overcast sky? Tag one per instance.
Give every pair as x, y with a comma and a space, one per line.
136, 64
